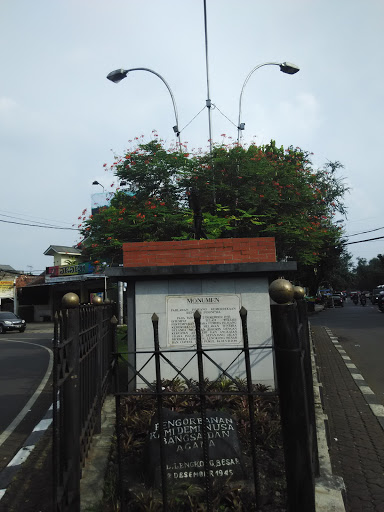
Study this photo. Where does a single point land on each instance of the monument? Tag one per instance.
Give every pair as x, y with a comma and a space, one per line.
215, 277
184, 451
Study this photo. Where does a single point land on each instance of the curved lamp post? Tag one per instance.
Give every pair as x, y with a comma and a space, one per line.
119, 74
97, 183
285, 67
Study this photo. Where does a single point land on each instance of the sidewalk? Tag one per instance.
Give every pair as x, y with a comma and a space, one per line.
355, 425
40, 327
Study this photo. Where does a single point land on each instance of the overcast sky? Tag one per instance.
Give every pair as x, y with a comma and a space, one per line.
61, 120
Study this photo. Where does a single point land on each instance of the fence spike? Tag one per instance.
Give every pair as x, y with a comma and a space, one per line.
155, 318
197, 314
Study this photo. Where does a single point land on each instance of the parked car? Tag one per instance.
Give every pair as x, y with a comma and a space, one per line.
380, 301
338, 300
376, 293
11, 322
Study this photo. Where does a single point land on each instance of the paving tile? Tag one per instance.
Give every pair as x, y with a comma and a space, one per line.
356, 437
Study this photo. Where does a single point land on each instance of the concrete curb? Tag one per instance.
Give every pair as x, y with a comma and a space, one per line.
329, 488
91, 483
40, 327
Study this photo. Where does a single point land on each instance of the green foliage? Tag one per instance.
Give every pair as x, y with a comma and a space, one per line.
243, 192
368, 275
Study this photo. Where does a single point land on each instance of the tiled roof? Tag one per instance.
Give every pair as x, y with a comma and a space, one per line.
6, 268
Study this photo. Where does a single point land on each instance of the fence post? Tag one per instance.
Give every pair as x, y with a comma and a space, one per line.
251, 403
293, 407
99, 373
159, 397
56, 461
71, 394
306, 345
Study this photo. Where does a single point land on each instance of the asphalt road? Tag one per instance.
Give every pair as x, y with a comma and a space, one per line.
25, 387
361, 333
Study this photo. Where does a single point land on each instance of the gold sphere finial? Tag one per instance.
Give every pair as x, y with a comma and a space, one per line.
70, 300
281, 291
298, 292
97, 301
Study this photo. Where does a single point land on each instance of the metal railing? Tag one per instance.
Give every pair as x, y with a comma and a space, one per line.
295, 385
294, 393
83, 363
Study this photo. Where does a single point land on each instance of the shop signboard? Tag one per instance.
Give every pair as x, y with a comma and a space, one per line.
6, 289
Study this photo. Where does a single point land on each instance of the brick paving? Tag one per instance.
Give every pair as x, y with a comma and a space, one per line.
356, 436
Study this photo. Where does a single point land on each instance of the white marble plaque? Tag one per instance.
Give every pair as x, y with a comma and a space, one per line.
220, 319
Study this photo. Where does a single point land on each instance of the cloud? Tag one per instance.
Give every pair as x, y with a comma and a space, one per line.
304, 111
7, 104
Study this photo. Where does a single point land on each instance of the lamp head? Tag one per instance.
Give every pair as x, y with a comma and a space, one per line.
97, 183
117, 76
289, 68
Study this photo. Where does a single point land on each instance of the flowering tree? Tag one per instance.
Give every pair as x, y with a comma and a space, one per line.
242, 192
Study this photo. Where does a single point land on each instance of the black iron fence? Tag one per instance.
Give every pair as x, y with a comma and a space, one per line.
83, 364
143, 444
295, 387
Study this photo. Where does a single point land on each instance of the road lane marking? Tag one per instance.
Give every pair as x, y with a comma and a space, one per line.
42, 425
21, 456
13, 425
377, 409
366, 390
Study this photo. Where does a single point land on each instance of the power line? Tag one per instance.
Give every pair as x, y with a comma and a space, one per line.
361, 241
37, 225
20, 216
364, 232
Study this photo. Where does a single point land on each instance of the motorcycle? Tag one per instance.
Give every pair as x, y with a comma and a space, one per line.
363, 300
355, 300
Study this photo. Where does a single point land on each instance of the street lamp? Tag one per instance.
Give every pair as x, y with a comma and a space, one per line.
97, 183
119, 74
285, 67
